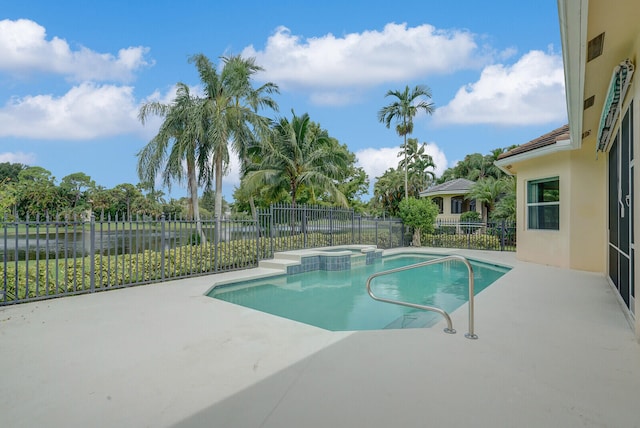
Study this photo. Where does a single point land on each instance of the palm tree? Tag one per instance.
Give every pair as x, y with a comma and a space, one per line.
488, 190
294, 156
179, 139
231, 105
489, 160
417, 163
505, 208
407, 104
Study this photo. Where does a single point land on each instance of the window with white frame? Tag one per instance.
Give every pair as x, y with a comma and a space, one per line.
543, 204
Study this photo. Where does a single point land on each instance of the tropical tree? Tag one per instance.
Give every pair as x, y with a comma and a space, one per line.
419, 214
352, 180
101, 201
505, 208
76, 188
475, 167
418, 164
181, 138
8, 197
405, 107
388, 190
488, 190
293, 157
231, 106
10, 170
36, 192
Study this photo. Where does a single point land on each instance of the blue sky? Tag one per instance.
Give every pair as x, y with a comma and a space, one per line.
73, 74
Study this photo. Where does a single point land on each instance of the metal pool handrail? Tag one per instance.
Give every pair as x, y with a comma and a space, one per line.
449, 328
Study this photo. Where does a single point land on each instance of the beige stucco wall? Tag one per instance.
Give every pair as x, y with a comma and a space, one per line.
589, 209
446, 208
549, 247
581, 241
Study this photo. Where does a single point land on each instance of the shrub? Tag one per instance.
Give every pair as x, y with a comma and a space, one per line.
470, 217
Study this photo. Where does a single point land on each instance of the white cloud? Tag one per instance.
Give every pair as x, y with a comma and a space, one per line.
18, 157
25, 48
397, 53
330, 98
531, 91
87, 111
233, 171
376, 161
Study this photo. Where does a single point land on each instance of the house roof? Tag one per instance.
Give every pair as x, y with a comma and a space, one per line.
451, 187
547, 139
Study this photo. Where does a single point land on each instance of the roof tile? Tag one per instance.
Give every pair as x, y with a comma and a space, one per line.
547, 139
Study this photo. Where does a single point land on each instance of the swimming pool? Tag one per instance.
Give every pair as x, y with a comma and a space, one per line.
338, 300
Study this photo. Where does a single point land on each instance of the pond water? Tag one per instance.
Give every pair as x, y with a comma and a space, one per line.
67, 241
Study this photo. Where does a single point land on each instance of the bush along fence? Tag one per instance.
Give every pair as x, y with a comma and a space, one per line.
451, 233
46, 257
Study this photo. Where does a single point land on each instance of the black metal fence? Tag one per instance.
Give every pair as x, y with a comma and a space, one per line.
45, 257
497, 236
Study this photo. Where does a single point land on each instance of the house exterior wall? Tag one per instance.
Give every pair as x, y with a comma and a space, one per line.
549, 247
581, 241
632, 96
588, 213
446, 208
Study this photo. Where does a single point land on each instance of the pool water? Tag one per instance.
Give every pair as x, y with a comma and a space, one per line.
338, 300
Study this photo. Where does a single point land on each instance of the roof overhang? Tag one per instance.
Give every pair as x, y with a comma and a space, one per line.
559, 146
573, 34
443, 193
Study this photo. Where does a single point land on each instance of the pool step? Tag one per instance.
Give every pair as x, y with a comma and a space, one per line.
280, 264
415, 320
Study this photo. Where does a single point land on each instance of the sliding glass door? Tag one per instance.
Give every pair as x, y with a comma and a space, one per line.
621, 245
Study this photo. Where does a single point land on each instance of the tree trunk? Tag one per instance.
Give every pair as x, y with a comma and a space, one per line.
218, 201
416, 237
252, 205
406, 174
193, 193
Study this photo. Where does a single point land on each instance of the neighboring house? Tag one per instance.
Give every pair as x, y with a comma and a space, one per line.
575, 190
450, 199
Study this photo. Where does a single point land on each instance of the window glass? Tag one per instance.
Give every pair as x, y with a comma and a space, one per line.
438, 202
543, 204
456, 205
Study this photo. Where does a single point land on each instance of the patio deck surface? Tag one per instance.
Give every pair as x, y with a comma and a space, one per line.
554, 349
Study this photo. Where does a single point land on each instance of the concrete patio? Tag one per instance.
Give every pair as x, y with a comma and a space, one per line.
554, 349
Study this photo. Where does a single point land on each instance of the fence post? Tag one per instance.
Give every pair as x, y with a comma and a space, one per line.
4, 259
162, 245
257, 223
304, 225
271, 231
502, 237
92, 253
353, 226
330, 226
216, 242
